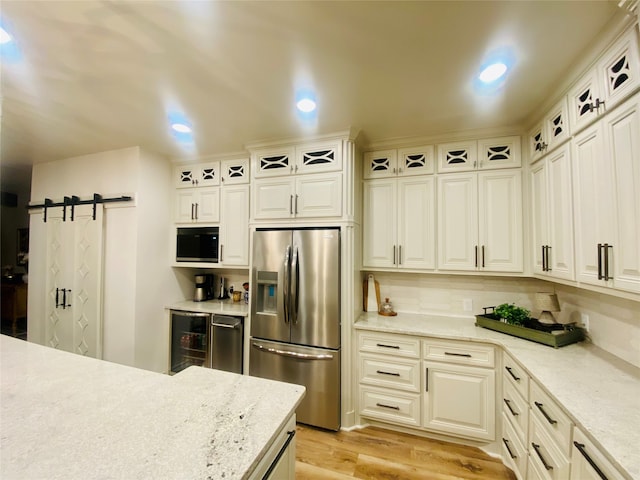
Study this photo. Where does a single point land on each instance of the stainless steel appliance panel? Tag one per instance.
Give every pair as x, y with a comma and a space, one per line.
271, 251
315, 288
318, 369
226, 343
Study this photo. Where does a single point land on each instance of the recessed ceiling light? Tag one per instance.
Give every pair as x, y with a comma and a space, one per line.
492, 72
4, 36
181, 127
306, 105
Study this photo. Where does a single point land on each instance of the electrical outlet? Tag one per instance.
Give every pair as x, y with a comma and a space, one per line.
467, 305
584, 319
232, 288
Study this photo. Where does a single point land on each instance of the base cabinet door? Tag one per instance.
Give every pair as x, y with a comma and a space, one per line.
459, 400
587, 462
279, 463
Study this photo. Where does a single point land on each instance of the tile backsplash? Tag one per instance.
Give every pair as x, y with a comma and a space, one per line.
614, 323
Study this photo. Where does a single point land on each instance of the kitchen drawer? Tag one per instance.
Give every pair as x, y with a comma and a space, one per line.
553, 419
465, 353
383, 371
513, 450
516, 409
516, 375
389, 344
545, 453
390, 406
586, 458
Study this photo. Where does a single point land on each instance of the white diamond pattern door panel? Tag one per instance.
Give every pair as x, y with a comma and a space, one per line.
74, 281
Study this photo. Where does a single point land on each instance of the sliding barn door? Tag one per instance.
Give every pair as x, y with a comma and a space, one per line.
74, 280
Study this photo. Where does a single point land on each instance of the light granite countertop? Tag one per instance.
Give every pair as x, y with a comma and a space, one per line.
600, 392
64, 416
220, 307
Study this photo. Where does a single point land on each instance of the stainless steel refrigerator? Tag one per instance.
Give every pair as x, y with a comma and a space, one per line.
295, 317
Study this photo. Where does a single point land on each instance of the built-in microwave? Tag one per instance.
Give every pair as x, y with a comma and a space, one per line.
197, 244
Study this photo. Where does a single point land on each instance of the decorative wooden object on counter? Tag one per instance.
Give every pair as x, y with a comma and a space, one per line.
368, 280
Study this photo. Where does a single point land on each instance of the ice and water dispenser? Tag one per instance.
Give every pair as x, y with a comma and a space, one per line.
266, 292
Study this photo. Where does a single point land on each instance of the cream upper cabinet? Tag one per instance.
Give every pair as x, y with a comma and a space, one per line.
199, 175
234, 218
316, 157
484, 154
297, 181
480, 221
551, 132
399, 223
197, 205
552, 215
234, 172
305, 196
402, 162
613, 79
606, 159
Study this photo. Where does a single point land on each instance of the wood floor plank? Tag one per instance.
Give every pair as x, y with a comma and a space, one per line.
377, 453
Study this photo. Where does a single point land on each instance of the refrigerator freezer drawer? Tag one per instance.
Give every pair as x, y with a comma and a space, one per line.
318, 369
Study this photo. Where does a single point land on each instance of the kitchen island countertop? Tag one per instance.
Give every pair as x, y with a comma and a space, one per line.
64, 416
599, 391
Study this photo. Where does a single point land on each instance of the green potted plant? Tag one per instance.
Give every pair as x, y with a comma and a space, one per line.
512, 314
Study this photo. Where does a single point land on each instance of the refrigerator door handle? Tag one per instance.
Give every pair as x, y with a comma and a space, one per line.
285, 288
295, 279
286, 353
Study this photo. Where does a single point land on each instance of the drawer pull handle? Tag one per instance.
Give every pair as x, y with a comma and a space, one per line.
382, 372
536, 447
546, 415
508, 404
506, 444
387, 346
392, 407
513, 375
580, 447
467, 355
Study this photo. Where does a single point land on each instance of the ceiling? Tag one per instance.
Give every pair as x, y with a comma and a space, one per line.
101, 75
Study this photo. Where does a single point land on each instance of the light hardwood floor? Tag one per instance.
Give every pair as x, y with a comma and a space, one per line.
375, 453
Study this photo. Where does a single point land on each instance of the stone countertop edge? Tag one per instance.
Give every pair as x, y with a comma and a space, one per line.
65, 416
220, 307
599, 391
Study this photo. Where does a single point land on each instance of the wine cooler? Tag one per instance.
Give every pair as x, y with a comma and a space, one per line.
189, 340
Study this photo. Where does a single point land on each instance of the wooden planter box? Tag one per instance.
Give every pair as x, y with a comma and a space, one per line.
564, 337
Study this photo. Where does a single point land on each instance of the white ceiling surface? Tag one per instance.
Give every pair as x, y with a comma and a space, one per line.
101, 75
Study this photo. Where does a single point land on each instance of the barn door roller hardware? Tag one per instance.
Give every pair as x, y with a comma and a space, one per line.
73, 200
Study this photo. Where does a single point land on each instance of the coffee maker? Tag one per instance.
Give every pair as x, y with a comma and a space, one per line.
204, 287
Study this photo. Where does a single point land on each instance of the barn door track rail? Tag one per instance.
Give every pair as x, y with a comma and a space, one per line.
73, 200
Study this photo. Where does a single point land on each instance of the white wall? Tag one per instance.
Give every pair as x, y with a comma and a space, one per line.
614, 322
138, 279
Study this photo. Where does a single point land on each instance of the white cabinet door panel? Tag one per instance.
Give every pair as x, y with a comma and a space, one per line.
623, 133
593, 203
539, 212
560, 208
273, 198
318, 196
500, 221
416, 223
457, 221
379, 223
460, 400
234, 247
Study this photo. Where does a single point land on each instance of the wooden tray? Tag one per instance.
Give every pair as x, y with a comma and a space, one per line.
567, 337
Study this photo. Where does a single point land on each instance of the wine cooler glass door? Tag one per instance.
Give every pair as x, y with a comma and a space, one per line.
189, 340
